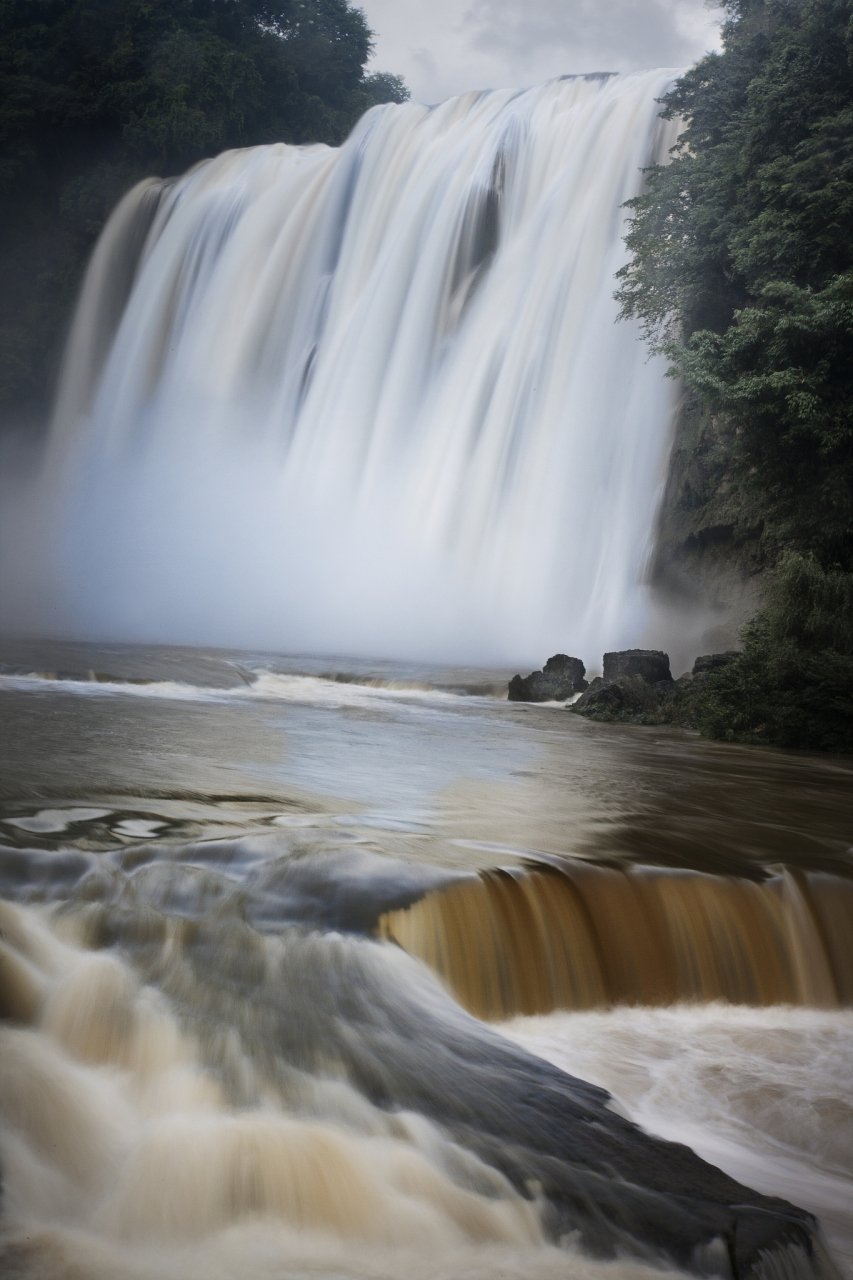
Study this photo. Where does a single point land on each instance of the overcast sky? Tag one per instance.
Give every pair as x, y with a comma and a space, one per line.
443, 47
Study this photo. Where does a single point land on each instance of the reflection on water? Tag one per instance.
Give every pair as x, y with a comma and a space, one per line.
212, 1061
443, 776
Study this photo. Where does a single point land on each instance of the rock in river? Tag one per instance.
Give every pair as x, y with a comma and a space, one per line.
650, 665
561, 677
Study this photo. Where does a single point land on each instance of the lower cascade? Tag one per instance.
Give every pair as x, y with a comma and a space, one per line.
371, 399
307, 1093
578, 936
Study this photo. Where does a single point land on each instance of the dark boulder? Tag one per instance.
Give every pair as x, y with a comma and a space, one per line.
650, 665
601, 696
628, 698
713, 662
561, 677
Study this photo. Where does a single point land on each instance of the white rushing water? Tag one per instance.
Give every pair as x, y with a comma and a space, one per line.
765, 1094
371, 399
126, 1157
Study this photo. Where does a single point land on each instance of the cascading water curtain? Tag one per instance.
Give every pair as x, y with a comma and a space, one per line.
372, 399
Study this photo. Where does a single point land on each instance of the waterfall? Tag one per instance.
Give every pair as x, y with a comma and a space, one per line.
372, 399
574, 935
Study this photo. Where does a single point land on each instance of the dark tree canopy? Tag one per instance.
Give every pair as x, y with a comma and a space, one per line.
742, 266
742, 273
95, 94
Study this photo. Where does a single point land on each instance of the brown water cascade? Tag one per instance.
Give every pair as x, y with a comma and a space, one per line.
577, 936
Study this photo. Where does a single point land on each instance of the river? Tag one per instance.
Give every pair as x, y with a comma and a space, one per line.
251, 903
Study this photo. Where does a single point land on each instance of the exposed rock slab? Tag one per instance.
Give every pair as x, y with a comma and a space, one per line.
651, 665
631, 695
561, 677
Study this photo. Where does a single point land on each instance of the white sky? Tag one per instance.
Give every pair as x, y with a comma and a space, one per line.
443, 47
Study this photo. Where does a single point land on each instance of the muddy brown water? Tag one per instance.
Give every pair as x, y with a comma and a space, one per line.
215, 864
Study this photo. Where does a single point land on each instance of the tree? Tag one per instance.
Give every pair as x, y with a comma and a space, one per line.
742, 267
742, 273
792, 683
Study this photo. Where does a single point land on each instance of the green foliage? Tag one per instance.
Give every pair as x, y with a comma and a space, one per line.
742, 273
384, 87
742, 267
792, 685
761, 184
783, 371
95, 94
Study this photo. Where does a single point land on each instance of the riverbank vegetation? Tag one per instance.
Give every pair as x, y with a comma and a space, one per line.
792, 682
96, 94
742, 274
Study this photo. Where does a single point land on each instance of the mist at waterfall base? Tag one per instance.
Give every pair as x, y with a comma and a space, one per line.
371, 400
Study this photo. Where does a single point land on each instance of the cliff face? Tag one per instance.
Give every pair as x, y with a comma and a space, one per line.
713, 546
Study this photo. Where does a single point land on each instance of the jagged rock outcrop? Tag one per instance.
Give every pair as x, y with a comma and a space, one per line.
561, 677
651, 665
602, 695
637, 687
632, 695
709, 662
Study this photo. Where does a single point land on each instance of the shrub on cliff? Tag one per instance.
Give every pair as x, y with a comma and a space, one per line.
792, 685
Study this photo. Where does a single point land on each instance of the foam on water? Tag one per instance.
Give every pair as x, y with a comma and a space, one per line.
123, 1154
115, 1134
305, 690
766, 1094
